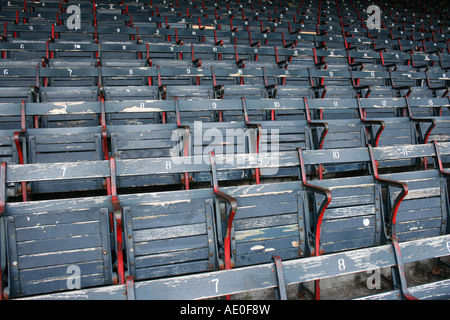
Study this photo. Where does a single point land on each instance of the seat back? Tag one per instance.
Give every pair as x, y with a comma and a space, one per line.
169, 233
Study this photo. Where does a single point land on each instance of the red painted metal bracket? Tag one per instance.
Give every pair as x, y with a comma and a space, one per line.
321, 212
418, 120
233, 203
397, 184
401, 270
17, 136
131, 294
281, 289
358, 87
105, 148
439, 159
258, 127
409, 88
118, 219
313, 123
186, 178
317, 87
228, 264
218, 89
2, 212
381, 123
316, 124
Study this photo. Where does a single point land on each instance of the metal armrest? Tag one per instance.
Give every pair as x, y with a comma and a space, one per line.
392, 183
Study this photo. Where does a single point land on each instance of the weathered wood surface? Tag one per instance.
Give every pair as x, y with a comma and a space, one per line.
218, 283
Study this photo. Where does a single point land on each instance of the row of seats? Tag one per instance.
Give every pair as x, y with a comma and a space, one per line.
181, 138
295, 218
89, 83
128, 130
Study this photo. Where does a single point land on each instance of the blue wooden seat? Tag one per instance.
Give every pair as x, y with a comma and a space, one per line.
146, 141
269, 221
169, 233
417, 204
67, 247
65, 145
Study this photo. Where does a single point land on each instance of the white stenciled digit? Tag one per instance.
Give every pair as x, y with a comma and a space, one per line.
70, 71
5, 72
341, 263
217, 284
168, 165
260, 160
276, 104
336, 155
64, 171
130, 71
214, 105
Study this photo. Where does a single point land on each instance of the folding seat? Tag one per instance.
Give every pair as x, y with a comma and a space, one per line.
116, 75
261, 220
207, 110
18, 51
409, 84
283, 133
186, 83
222, 138
230, 83
418, 202
129, 83
169, 233
287, 83
401, 130
347, 212
40, 32
269, 221
62, 114
111, 27
147, 141
11, 115
16, 83
73, 53
137, 112
336, 83
166, 233
349, 129
49, 145
67, 84
67, 247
